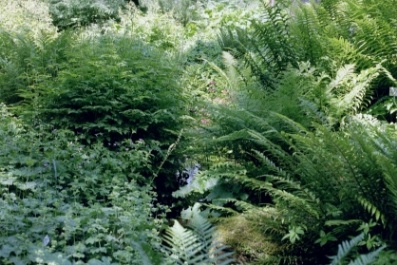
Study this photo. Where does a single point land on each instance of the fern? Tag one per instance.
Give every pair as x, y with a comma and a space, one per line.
345, 248
305, 29
196, 245
230, 75
303, 140
372, 209
272, 47
270, 164
369, 258
321, 169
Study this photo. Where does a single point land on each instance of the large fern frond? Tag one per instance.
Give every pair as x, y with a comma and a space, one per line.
197, 245
367, 259
345, 248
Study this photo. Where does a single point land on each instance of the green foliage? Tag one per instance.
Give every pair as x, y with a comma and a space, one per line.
105, 83
66, 203
115, 88
183, 11
30, 17
288, 151
272, 50
346, 247
106, 89
159, 30
351, 32
204, 51
286, 145
196, 245
300, 141
27, 61
318, 177
73, 13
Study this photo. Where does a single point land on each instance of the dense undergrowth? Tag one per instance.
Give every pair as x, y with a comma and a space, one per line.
198, 132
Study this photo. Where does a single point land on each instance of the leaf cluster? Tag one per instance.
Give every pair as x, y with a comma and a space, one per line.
196, 245
67, 203
74, 14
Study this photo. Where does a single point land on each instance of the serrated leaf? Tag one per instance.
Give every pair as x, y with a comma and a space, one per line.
7, 181
6, 250
27, 185
46, 240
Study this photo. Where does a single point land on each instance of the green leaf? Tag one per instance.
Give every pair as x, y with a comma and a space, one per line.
294, 234
7, 180
31, 185
325, 238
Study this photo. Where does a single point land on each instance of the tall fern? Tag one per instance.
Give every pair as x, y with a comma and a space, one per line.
306, 149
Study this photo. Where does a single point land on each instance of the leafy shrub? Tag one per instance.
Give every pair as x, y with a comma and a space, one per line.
204, 51
27, 61
29, 17
115, 88
73, 13
105, 86
69, 204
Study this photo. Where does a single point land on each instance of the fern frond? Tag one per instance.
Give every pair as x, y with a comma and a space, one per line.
295, 202
269, 50
270, 164
356, 97
297, 127
196, 245
237, 135
306, 28
244, 206
231, 68
369, 258
372, 209
252, 183
344, 248
221, 209
272, 143
182, 241
313, 111
390, 177
344, 73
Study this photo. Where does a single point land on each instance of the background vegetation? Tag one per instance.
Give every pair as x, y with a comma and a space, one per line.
198, 132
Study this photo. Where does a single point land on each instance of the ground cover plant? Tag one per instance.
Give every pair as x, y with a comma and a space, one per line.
67, 203
198, 132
